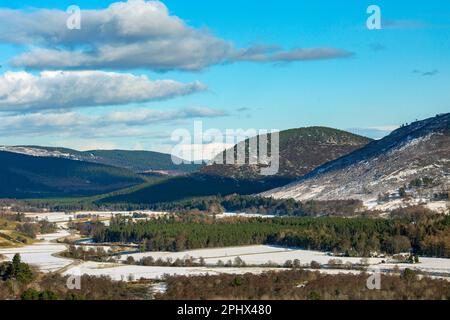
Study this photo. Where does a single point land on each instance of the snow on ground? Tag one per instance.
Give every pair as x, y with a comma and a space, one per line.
65, 217
60, 217
243, 214
88, 247
41, 254
131, 272
251, 255
159, 287
108, 214
50, 216
438, 206
262, 254
429, 265
228, 252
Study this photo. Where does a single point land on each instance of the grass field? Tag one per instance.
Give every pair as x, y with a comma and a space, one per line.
9, 237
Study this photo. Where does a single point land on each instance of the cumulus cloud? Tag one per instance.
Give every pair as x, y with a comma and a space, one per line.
22, 91
121, 124
133, 34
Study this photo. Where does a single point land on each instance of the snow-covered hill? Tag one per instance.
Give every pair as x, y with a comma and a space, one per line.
414, 159
39, 152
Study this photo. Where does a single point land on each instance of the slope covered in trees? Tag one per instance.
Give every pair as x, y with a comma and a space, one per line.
301, 150
24, 176
134, 160
194, 185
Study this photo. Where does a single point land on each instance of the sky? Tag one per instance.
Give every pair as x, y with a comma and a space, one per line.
136, 71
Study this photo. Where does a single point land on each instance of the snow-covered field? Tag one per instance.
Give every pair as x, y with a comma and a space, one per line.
251, 255
65, 217
129, 272
50, 216
437, 206
62, 217
243, 214
429, 265
263, 254
41, 254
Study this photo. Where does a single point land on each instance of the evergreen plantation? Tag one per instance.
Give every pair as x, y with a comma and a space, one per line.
351, 237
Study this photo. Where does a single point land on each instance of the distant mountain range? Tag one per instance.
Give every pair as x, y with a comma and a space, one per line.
414, 158
137, 161
301, 151
25, 176
315, 163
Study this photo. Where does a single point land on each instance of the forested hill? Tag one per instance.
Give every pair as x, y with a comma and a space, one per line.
140, 161
301, 151
194, 185
24, 176
137, 161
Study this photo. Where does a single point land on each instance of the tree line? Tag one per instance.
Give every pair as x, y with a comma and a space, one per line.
304, 285
212, 204
252, 204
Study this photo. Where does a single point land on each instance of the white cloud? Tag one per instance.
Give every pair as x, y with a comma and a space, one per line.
133, 34
145, 116
22, 91
129, 123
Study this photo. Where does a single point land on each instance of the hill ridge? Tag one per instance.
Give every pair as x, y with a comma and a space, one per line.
414, 151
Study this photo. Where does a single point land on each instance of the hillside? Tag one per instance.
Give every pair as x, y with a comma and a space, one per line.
194, 185
301, 151
411, 162
137, 161
24, 176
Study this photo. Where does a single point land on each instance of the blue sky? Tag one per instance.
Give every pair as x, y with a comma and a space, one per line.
389, 77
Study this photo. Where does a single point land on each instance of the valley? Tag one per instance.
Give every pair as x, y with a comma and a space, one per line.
353, 207
45, 254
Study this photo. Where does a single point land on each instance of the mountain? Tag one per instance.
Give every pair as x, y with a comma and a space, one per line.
301, 151
412, 162
25, 176
137, 161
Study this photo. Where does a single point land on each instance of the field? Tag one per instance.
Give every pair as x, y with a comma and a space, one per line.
273, 255
62, 217
127, 272
251, 255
